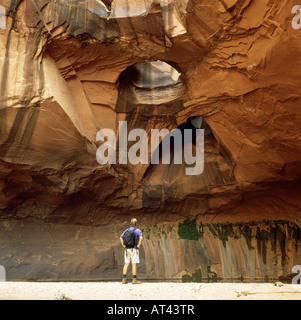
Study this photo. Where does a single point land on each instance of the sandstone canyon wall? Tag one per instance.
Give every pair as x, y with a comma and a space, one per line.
70, 68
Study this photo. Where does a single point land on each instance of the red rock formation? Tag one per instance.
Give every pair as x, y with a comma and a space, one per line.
70, 68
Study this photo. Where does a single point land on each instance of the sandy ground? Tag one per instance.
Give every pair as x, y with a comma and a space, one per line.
146, 291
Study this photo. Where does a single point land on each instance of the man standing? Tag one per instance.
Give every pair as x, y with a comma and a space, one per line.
131, 240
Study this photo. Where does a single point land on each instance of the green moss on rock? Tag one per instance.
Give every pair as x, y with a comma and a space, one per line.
188, 230
195, 277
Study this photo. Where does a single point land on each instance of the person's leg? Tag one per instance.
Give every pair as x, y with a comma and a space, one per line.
134, 269
134, 266
126, 268
124, 272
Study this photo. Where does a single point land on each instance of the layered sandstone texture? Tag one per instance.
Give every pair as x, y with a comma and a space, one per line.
70, 68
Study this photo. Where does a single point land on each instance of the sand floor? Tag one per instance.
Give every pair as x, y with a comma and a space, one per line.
146, 291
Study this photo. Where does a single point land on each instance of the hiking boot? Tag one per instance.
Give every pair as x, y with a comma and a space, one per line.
124, 281
135, 281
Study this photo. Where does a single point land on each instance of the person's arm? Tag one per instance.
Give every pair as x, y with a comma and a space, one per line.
140, 242
121, 241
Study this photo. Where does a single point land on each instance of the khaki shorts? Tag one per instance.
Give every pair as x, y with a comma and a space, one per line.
131, 255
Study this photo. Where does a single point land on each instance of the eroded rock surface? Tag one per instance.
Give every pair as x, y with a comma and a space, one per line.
70, 68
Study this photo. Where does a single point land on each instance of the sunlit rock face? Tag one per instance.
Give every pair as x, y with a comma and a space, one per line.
71, 68
149, 83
